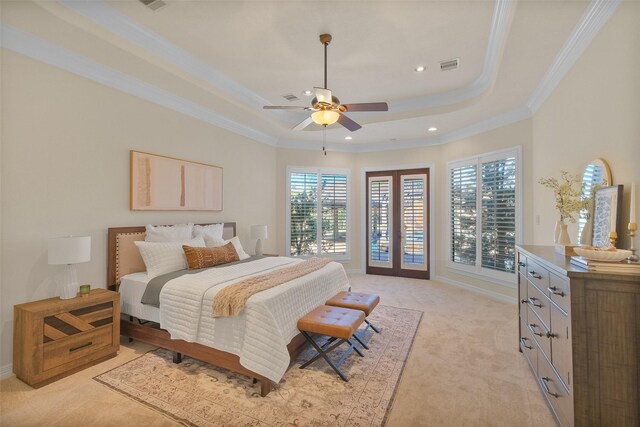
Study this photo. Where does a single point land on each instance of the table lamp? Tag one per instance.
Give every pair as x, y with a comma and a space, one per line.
259, 232
69, 251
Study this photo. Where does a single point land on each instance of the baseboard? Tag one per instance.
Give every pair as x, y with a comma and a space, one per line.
6, 371
486, 292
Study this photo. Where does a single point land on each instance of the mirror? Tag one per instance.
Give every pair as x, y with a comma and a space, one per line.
596, 175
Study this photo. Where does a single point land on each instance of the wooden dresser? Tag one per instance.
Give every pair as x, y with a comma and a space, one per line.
54, 337
580, 333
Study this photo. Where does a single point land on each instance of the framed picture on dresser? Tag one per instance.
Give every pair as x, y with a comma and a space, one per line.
607, 215
161, 183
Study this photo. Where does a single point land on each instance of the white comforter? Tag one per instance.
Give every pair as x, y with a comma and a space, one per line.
260, 334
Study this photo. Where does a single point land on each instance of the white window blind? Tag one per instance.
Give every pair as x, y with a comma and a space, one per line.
484, 216
499, 214
463, 214
317, 213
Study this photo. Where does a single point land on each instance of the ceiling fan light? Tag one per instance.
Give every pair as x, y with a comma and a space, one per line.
325, 117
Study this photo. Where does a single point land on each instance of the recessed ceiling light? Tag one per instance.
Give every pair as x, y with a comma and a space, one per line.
307, 92
432, 129
348, 137
420, 68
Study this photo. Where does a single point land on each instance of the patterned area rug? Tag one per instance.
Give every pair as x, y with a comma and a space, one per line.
198, 394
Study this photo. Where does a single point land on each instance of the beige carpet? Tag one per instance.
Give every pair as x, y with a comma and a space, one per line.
199, 394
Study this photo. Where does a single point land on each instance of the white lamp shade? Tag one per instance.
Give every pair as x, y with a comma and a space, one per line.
258, 231
325, 117
69, 250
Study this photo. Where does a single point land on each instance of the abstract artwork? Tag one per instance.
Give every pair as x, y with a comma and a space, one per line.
164, 183
606, 215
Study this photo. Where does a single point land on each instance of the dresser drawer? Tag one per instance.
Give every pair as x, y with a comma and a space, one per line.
528, 346
59, 352
539, 303
559, 291
540, 333
556, 394
538, 275
561, 345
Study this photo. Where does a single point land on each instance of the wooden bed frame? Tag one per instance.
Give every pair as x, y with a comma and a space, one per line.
124, 258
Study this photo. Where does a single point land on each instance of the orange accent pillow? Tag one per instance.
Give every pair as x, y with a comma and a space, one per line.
209, 257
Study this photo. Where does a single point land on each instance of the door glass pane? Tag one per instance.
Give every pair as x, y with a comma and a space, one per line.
413, 221
380, 221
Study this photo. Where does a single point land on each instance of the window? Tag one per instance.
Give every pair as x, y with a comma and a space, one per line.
484, 217
317, 212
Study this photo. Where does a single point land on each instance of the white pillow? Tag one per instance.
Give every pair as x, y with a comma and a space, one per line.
168, 233
165, 257
213, 230
212, 242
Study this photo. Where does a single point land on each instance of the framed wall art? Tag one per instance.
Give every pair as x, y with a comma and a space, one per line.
607, 215
161, 183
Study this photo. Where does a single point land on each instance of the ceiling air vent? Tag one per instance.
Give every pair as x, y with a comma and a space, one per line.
291, 97
153, 4
449, 64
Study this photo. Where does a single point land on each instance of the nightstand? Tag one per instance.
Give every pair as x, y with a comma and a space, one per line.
53, 338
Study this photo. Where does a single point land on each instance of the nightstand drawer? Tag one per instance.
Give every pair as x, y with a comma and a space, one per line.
75, 347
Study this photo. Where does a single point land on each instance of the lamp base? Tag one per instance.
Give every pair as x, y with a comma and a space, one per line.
68, 285
259, 247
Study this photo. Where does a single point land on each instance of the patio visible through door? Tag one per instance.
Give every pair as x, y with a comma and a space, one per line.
398, 223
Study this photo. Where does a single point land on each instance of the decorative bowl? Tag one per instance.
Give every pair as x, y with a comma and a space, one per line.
603, 255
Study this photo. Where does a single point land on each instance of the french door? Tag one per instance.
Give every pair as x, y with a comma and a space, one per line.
398, 223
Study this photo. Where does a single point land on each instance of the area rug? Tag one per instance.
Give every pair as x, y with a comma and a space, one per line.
195, 393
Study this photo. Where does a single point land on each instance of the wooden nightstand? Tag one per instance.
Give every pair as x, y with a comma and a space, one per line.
53, 338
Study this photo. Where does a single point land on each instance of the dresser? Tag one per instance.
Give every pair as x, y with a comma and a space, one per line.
55, 337
580, 334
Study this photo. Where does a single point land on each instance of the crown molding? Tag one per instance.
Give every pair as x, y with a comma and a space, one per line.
46, 52
500, 24
101, 13
595, 17
515, 115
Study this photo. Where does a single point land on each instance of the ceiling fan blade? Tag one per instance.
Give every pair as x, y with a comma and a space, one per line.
323, 95
285, 107
303, 124
348, 123
367, 106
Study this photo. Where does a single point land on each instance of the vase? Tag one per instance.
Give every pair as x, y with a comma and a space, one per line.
587, 232
557, 230
564, 238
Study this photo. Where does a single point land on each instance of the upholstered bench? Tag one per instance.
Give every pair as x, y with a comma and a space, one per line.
357, 301
336, 322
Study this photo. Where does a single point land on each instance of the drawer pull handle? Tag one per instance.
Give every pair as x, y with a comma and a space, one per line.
555, 291
71, 350
532, 327
546, 387
535, 275
522, 264
551, 335
524, 344
532, 302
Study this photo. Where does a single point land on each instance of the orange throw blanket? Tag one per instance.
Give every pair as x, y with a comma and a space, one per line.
231, 300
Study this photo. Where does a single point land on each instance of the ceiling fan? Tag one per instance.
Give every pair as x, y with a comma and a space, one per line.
327, 108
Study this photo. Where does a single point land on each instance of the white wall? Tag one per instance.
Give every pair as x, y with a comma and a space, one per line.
65, 171
594, 112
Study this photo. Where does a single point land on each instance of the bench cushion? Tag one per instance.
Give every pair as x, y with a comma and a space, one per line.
355, 300
335, 322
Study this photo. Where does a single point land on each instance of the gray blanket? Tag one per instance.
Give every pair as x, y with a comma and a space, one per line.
151, 294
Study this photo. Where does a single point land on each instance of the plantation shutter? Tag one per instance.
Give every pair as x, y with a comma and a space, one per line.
303, 213
499, 214
334, 214
463, 214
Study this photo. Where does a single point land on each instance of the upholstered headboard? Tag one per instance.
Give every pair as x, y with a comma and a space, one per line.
124, 257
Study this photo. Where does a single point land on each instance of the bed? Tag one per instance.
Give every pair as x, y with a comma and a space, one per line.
259, 342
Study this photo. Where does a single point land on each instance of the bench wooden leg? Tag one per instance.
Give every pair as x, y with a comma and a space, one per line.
265, 387
177, 357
